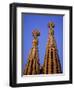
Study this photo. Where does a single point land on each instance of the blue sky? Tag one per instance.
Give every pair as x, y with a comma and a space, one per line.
40, 22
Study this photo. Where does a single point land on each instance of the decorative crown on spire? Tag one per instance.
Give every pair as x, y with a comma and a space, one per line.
51, 25
35, 34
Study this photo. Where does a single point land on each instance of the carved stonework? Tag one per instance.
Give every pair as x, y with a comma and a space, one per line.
33, 66
51, 61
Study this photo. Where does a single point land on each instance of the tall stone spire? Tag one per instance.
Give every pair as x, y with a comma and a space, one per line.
33, 66
51, 61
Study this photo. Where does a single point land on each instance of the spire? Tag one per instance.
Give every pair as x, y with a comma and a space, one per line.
33, 66
51, 61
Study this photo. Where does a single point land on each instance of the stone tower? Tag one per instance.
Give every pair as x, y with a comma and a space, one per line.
51, 61
33, 66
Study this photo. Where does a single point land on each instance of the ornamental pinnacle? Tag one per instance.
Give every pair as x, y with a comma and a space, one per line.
51, 61
33, 66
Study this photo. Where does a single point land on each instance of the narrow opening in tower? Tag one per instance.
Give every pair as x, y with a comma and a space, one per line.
51, 55
51, 61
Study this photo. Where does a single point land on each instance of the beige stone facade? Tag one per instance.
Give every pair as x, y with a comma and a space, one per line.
33, 66
51, 61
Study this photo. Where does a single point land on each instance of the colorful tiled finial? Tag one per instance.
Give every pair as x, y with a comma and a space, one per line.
51, 25
35, 33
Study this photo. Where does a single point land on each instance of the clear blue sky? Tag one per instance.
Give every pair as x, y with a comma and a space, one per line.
40, 22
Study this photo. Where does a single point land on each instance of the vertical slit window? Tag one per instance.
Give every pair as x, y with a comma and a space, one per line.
51, 55
51, 61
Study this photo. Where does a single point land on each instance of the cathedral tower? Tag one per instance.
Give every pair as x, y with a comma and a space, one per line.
33, 66
51, 61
